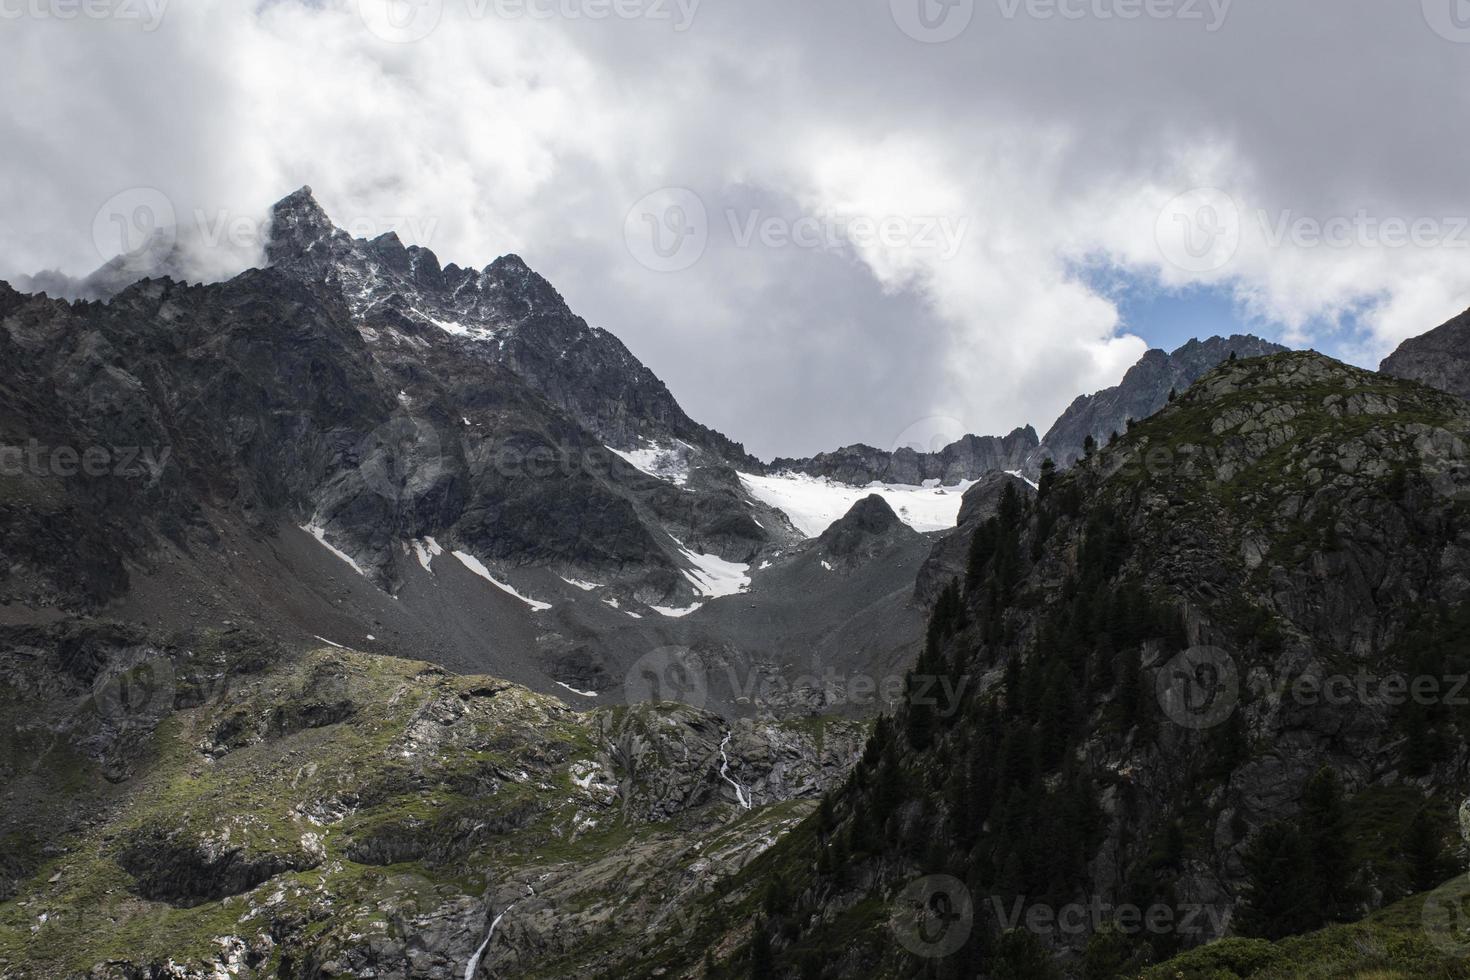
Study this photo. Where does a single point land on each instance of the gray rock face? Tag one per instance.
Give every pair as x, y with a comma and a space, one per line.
1439, 358
967, 459
393, 407
505, 313
1142, 392
359, 387
863, 530
950, 554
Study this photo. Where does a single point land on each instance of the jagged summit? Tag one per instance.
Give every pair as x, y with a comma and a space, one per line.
1142, 392
402, 299
303, 236
967, 458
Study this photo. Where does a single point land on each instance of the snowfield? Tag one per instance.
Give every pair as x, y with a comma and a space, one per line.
667, 463
712, 575
815, 503
675, 612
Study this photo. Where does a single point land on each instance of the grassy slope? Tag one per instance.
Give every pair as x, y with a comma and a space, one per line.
408, 778
1405, 941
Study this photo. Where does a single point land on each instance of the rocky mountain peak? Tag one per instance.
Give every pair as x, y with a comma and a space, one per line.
868, 527
871, 515
297, 223
1288, 370
1142, 392
1439, 358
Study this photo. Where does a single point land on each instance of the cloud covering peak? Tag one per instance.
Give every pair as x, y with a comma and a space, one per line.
818, 222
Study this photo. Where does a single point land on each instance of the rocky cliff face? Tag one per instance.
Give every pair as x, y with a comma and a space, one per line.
357, 441
949, 555
1440, 358
967, 459
518, 318
1144, 657
1142, 392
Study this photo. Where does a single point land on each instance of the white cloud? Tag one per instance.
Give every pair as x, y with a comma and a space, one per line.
1052, 143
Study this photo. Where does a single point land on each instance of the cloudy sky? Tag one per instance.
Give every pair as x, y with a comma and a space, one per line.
820, 221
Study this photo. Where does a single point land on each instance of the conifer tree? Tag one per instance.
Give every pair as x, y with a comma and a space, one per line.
762, 959
1424, 852
1048, 478
1020, 955
1109, 954
1279, 897
1130, 688
1324, 827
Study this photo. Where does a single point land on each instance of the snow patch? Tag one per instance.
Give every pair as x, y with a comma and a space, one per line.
667, 463
584, 586
475, 565
427, 549
321, 536
712, 575
456, 329
815, 503
672, 611
1022, 477
585, 694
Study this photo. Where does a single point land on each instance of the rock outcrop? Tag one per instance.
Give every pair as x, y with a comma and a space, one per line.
380, 841
949, 555
967, 459
1439, 358
1142, 392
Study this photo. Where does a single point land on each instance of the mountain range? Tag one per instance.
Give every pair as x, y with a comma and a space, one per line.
366, 616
